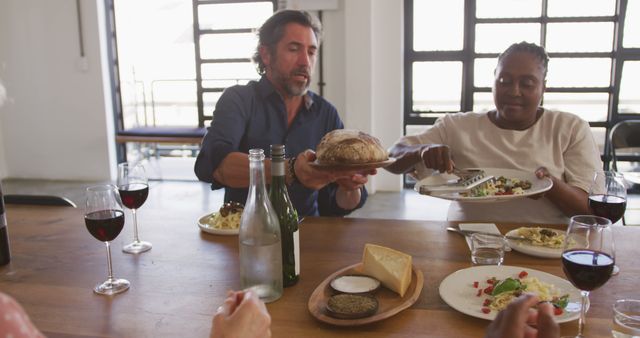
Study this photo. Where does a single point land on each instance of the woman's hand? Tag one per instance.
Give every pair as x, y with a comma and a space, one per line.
520, 320
242, 314
437, 157
542, 172
569, 199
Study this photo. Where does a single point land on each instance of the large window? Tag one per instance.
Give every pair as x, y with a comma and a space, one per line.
173, 58
451, 50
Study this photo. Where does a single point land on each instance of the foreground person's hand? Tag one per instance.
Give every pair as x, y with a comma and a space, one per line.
241, 315
519, 320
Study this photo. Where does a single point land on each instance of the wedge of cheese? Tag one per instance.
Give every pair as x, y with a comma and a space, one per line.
392, 268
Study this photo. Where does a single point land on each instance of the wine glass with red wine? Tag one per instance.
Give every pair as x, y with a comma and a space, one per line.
104, 219
588, 256
608, 195
134, 189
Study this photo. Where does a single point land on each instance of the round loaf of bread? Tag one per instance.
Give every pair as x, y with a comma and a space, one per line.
347, 146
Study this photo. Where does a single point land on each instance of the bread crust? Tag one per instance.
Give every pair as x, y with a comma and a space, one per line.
347, 146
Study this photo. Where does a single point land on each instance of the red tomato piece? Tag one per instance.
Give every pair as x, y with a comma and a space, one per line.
488, 289
479, 293
486, 310
486, 302
523, 274
475, 284
557, 311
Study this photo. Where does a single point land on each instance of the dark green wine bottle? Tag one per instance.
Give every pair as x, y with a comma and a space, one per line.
287, 216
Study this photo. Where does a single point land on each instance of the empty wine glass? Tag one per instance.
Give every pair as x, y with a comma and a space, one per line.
588, 257
134, 189
104, 219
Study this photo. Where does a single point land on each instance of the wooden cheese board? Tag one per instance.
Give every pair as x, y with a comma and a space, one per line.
389, 302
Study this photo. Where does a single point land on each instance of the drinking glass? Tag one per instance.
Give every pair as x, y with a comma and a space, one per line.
608, 195
626, 318
588, 256
487, 249
104, 219
134, 189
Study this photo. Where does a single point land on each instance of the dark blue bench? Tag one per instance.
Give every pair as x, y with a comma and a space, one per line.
192, 135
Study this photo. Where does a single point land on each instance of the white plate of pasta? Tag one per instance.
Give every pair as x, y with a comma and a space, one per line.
501, 189
545, 243
464, 289
208, 224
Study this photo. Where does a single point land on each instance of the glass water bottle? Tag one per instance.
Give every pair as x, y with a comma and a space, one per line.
287, 217
260, 246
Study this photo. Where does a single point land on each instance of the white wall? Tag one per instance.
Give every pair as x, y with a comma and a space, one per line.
59, 123
363, 58
56, 124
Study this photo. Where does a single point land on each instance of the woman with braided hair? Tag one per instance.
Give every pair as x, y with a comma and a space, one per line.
518, 134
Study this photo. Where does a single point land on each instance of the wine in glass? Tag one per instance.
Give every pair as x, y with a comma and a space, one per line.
104, 219
608, 195
588, 257
134, 189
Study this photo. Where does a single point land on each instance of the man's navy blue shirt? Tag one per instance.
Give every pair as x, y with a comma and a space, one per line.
254, 116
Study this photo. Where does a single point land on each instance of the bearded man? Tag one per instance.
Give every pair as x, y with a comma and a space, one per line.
279, 109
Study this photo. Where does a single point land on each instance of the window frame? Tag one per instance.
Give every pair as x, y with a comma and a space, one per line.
467, 56
197, 34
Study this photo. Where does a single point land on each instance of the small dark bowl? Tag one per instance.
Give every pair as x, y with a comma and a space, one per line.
368, 302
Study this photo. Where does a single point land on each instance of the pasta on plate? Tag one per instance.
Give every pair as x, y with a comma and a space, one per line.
542, 237
227, 218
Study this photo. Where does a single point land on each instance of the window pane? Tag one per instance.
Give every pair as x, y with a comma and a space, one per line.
222, 46
629, 88
508, 9
433, 16
437, 86
590, 106
579, 72
150, 51
228, 16
174, 102
581, 7
215, 74
413, 129
134, 105
561, 37
632, 25
483, 72
495, 38
483, 102
599, 135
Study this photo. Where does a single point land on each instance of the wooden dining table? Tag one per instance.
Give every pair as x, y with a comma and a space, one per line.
176, 287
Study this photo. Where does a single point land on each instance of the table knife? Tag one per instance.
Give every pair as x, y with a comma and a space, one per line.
469, 232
